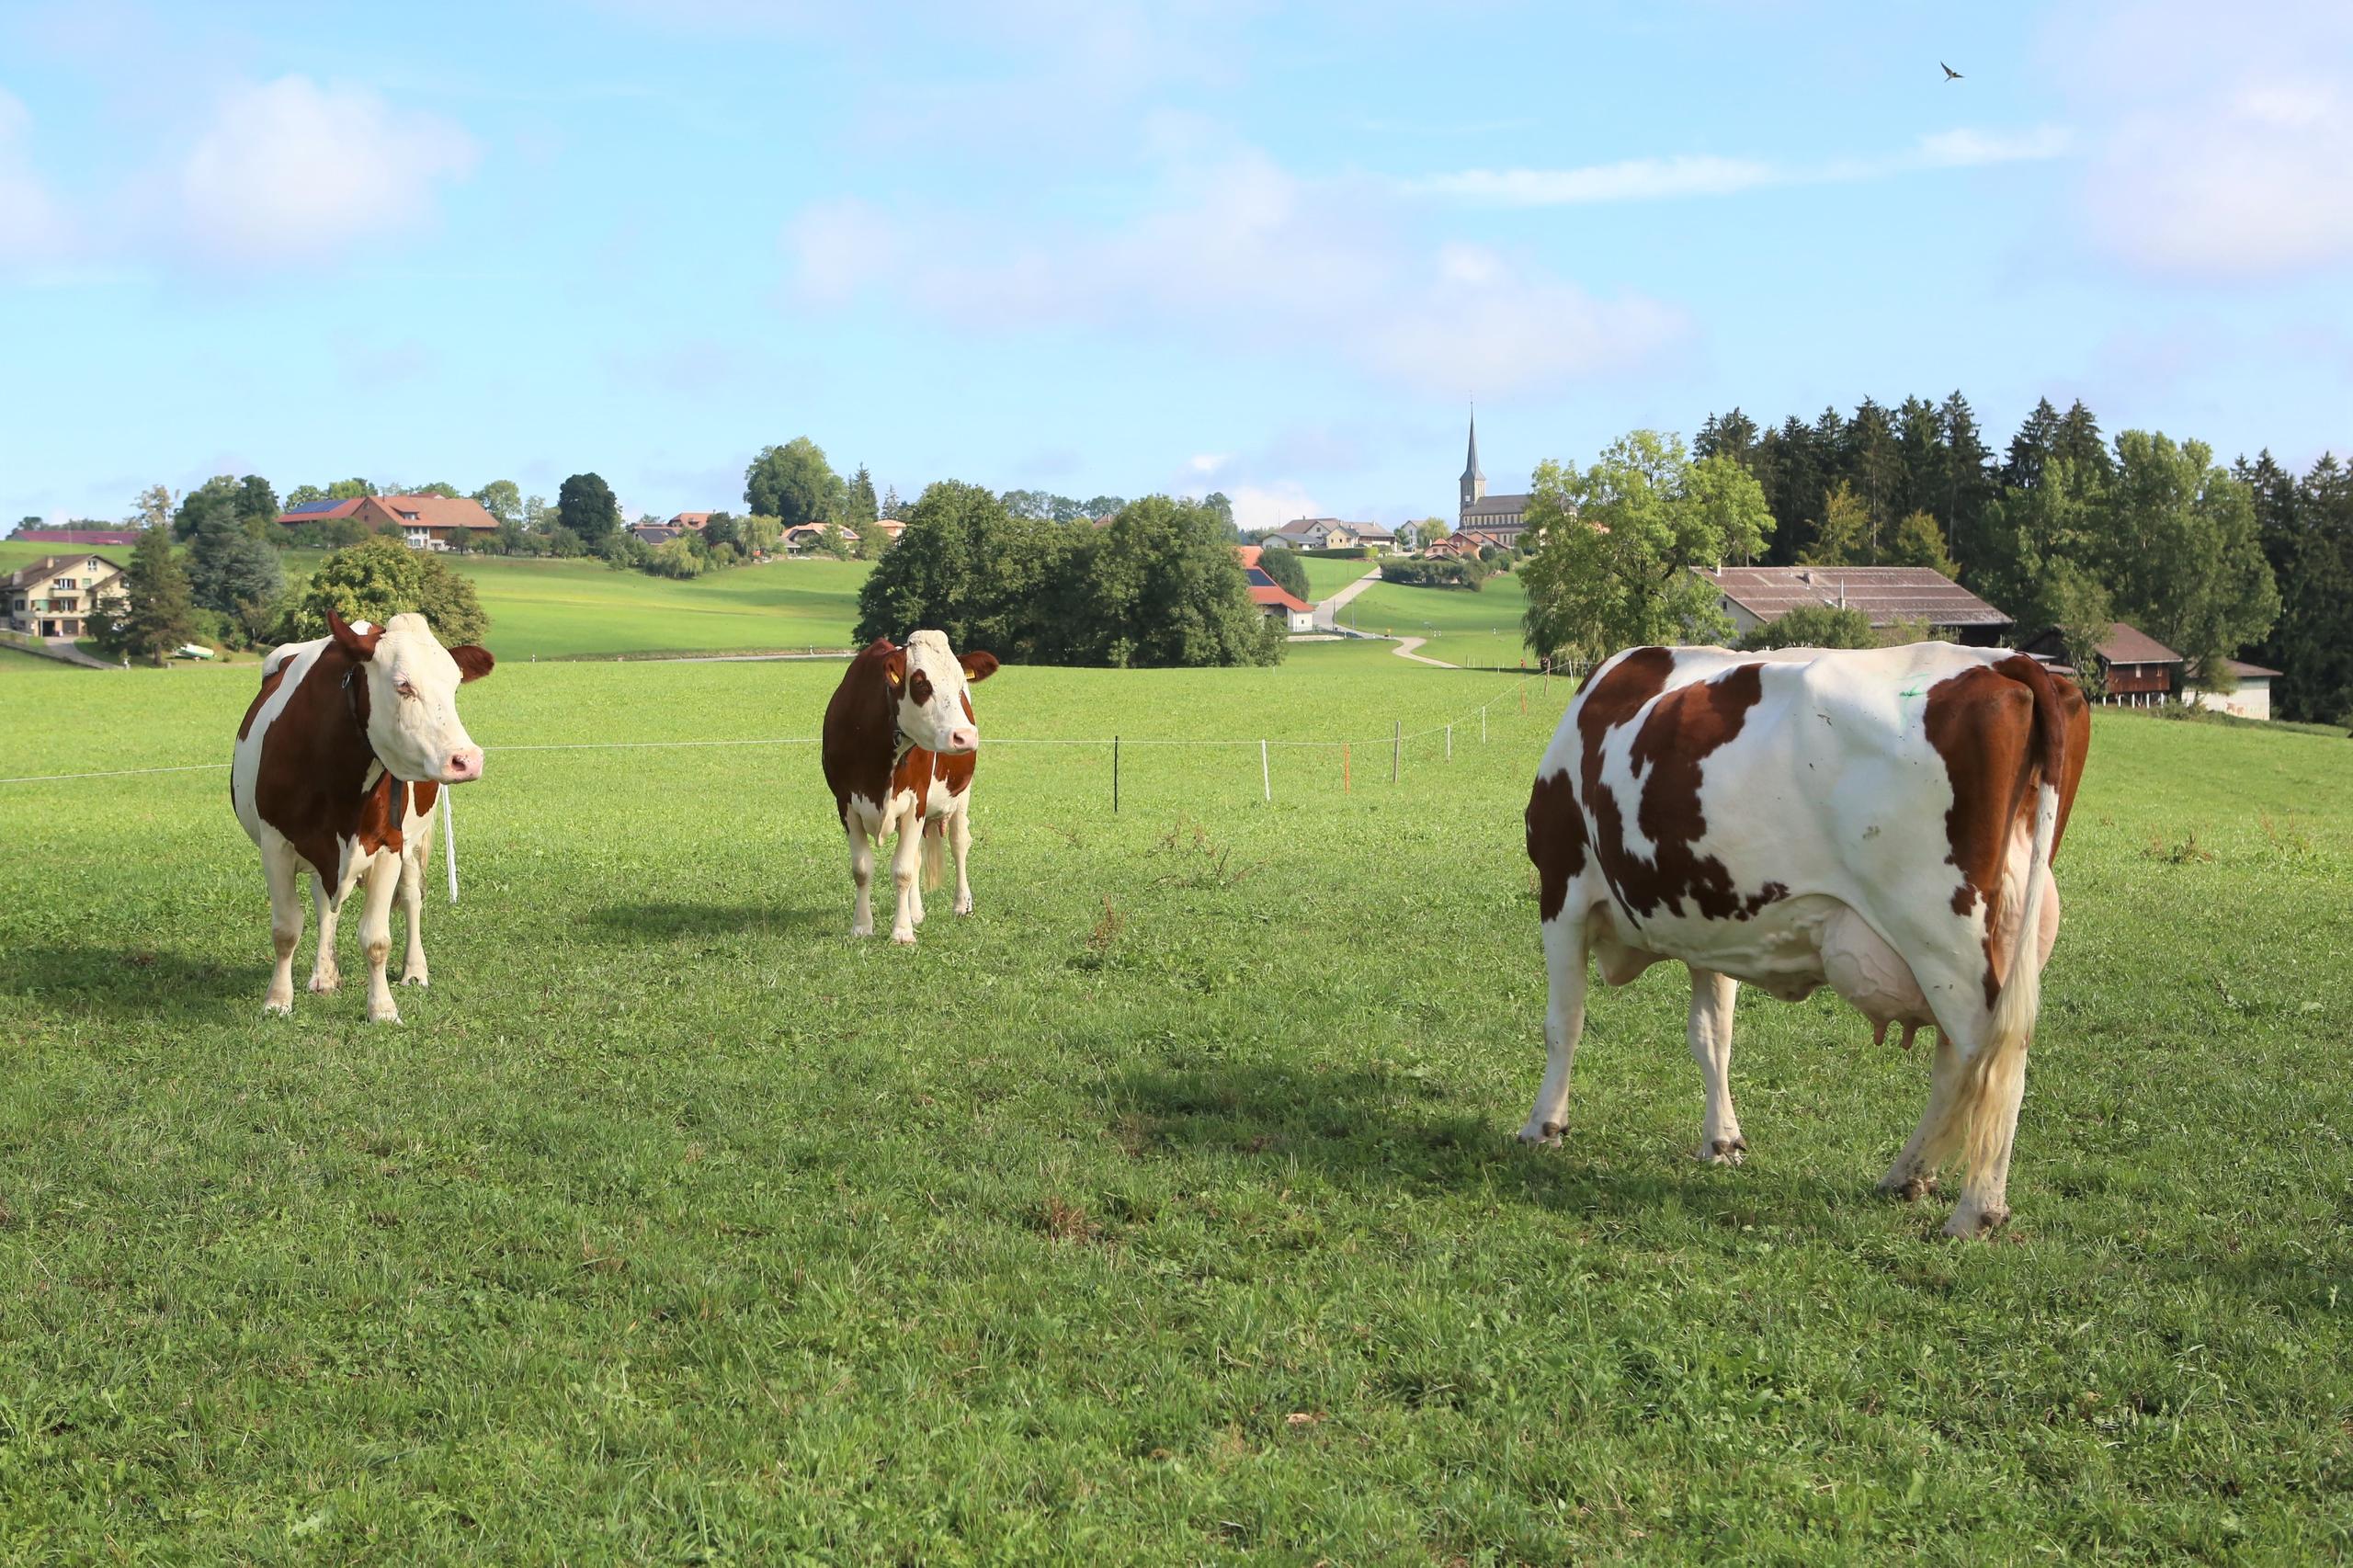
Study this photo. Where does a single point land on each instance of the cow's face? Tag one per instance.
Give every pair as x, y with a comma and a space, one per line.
413, 724
928, 684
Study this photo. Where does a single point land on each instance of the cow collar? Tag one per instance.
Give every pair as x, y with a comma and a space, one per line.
351, 705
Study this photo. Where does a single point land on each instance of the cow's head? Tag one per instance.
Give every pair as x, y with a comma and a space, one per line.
413, 724
927, 687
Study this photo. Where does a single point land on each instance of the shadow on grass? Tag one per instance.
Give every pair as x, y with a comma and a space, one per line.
1362, 1128
127, 980
643, 921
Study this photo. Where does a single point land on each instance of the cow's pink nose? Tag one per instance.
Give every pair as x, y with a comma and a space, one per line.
963, 737
463, 766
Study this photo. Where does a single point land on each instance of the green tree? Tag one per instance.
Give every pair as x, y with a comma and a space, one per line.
586, 505
722, 528
227, 566
538, 516
215, 498
1619, 541
438, 487
501, 499
1164, 588
154, 507
1286, 568
891, 507
969, 568
2182, 555
833, 541
1816, 626
758, 534
156, 613
1221, 506
1845, 537
2036, 444
793, 484
257, 508
351, 489
382, 578
1918, 541
304, 495
860, 508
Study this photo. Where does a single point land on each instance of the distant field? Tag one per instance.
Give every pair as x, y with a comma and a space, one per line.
551, 609
1164, 1212
1325, 578
1463, 626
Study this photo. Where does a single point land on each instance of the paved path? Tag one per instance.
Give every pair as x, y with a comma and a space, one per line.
1351, 591
62, 648
1405, 650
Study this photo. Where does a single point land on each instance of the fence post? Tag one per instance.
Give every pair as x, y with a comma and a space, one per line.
1523, 696
1115, 776
448, 840
1343, 769
1266, 779
1482, 724
1396, 747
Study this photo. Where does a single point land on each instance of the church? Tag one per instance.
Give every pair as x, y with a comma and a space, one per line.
1503, 517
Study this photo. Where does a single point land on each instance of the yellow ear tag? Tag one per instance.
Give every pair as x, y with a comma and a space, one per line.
894, 674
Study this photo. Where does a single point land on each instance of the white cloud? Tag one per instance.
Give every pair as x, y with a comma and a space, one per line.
285, 168
1664, 179
1235, 251
32, 231
1271, 506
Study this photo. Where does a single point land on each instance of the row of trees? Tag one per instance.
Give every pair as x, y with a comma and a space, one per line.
1159, 586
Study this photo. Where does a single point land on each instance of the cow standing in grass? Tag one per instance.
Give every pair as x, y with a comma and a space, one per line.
338, 767
900, 745
1881, 821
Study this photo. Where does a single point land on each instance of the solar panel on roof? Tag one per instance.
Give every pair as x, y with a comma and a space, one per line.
1259, 578
309, 507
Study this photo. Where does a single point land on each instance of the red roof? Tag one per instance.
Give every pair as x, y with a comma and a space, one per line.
412, 511
691, 520
1885, 593
1265, 590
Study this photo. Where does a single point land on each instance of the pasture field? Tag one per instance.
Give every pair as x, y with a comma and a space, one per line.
1166, 1210
1478, 628
1326, 576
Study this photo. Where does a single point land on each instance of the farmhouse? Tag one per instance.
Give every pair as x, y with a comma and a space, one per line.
2138, 671
802, 538
1274, 601
427, 522
655, 533
697, 522
1505, 517
1890, 596
53, 596
1327, 533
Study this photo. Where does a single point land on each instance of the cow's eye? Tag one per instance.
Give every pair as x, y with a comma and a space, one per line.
405, 689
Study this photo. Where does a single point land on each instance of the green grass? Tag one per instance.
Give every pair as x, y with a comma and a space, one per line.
1464, 628
1326, 577
1164, 1212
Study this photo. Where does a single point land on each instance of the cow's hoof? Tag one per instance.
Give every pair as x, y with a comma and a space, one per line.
274, 1008
387, 1014
1723, 1152
861, 931
963, 906
326, 984
416, 977
1911, 1188
1543, 1135
903, 939
1968, 1225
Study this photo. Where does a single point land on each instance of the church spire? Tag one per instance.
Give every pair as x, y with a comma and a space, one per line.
1471, 463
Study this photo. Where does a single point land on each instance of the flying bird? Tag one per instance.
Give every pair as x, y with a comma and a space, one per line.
1950, 75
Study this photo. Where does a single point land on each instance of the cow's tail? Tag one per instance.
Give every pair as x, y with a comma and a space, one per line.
1997, 1075
935, 855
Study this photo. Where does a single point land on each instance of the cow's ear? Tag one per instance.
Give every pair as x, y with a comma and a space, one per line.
895, 668
979, 666
360, 645
473, 662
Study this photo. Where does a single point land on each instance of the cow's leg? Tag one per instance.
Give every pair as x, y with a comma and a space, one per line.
1913, 1174
861, 877
960, 839
927, 863
1710, 1032
325, 974
906, 862
283, 868
412, 970
380, 882
1564, 964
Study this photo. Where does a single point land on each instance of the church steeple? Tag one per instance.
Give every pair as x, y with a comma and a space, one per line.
1474, 483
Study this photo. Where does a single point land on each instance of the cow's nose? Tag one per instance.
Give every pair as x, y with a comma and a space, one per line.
963, 737
463, 766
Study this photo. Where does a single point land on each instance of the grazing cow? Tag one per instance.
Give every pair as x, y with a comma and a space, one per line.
899, 748
1880, 821
338, 769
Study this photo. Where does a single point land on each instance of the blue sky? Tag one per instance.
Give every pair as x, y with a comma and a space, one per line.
1108, 247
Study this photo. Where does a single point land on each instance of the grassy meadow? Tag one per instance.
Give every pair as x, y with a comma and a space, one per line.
1166, 1210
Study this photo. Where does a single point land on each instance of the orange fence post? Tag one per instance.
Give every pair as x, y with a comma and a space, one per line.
1344, 770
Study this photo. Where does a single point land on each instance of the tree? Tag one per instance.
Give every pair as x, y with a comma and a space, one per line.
228, 566
381, 578
1619, 542
1816, 626
351, 489
793, 484
2182, 555
586, 505
1733, 435
971, 569
1102, 506
1844, 536
1968, 477
1919, 542
758, 534
2079, 442
155, 614
1872, 460
860, 508
154, 507
833, 541
257, 508
304, 495
438, 487
1432, 529
2035, 445
722, 528
891, 510
215, 498
1221, 506
501, 499
1285, 567
1164, 588
538, 516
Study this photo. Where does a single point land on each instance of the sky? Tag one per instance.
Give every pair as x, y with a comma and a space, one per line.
1098, 246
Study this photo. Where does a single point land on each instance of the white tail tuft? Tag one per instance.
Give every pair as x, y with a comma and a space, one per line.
1996, 1075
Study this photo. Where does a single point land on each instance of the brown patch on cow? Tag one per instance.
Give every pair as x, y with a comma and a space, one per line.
269, 679
1555, 841
382, 813
311, 785
914, 774
422, 796
861, 730
1680, 730
1999, 727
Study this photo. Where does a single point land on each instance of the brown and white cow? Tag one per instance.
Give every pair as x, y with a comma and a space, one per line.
900, 745
338, 767
1881, 821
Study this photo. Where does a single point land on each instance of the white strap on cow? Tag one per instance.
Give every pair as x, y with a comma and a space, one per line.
449, 838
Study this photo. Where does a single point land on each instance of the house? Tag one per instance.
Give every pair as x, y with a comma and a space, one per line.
2250, 699
1890, 596
424, 521
1324, 533
53, 596
800, 539
2138, 671
697, 522
651, 534
1502, 517
1274, 600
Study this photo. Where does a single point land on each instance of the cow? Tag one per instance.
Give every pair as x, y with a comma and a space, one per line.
899, 747
1880, 821
338, 765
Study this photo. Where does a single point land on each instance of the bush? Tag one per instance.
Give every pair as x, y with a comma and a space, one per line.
1283, 566
382, 578
1816, 626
